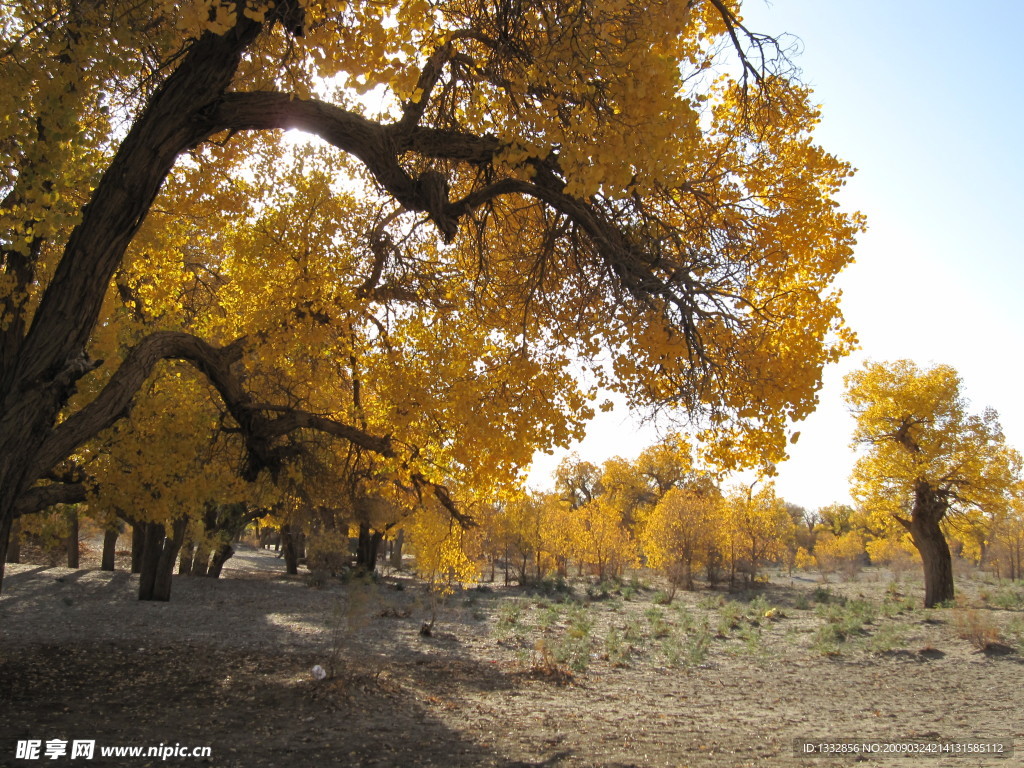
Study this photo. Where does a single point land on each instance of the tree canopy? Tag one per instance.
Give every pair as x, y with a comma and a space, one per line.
402, 240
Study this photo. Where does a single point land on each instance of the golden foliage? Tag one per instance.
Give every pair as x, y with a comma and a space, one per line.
915, 431
569, 187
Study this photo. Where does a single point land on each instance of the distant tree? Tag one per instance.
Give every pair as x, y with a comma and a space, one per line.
925, 457
756, 528
844, 553
679, 536
837, 518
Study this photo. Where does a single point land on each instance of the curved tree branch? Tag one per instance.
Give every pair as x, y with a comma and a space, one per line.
40, 497
379, 146
259, 431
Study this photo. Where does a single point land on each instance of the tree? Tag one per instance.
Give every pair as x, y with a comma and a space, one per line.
547, 182
925, 457
756, 529
844, 552
1008, 540
680, 532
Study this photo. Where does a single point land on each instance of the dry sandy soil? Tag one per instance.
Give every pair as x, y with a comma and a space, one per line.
507, 678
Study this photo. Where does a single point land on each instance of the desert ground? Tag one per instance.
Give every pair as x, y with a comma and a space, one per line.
565, 674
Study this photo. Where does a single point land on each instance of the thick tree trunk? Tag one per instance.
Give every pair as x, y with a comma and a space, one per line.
138, 546
367, 549
185, 559
158, 560
201, 559
153, 535
109, 549
14, 547
168, 556
396, 552
6, 524
937, 563
291, 555
222, 555
929, 510
72, 540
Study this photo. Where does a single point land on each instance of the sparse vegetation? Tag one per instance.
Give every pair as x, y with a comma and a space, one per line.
977, 627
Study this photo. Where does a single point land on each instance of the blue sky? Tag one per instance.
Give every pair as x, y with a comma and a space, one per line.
925, 100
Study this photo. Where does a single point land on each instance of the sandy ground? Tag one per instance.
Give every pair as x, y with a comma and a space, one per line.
507, 678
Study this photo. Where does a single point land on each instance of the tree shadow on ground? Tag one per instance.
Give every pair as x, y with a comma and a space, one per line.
228, 665
253, 710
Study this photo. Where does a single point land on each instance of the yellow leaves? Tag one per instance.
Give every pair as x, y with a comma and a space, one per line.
165, 460
464, 352
913, 427
679, 535
438, 545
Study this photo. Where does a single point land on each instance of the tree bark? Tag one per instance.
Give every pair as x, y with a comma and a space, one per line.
153, 535
14, 547
291, 555
138, 546
201, 559
185, 558
367, 548
396, 552
109, 549
72, 540
929, 510
6, 524
222, 555
168, 556
158, 560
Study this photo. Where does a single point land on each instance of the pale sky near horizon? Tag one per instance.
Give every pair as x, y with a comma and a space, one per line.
924, 99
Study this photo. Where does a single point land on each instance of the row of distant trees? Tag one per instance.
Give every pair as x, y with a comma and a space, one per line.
934, 481
660, 512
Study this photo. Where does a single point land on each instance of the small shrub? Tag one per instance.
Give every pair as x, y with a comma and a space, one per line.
687, 650
547, 618
887, 638
729, 617
633, 633
976, 627
603, 590
1015, 630
656, 620
758, 606
843, 621
616, 648
573, 652
509, 626
710, 602
827, 640
825, 595
328, 552
697, 647
580, 622
684, 619
750, 636
1008, 598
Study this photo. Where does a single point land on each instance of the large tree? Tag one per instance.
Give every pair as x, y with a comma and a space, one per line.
925, 460
569, 181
